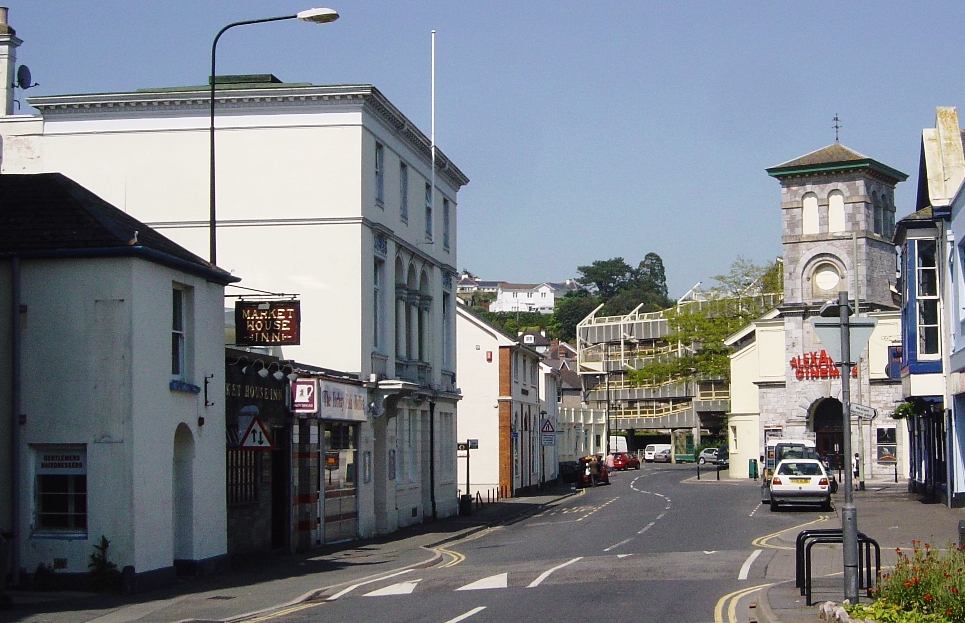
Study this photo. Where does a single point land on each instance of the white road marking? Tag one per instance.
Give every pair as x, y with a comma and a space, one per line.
645, 528
466, 615
746, 568
355, 586
547, 573
401, 588
623, 555
616, 545
499, 580
754, 511
713, 551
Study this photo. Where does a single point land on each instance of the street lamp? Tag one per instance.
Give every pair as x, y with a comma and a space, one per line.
316, 16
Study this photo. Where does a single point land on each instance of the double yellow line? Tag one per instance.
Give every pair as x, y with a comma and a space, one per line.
762, 541
730, 602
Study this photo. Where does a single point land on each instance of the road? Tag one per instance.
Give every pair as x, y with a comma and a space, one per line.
656, 545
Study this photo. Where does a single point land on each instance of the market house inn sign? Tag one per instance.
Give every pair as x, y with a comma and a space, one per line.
267, 323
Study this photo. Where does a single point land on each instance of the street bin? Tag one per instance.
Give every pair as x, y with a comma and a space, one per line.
961, 533
465, 505
752, 468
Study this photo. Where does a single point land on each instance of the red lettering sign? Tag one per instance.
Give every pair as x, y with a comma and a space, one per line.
816, 366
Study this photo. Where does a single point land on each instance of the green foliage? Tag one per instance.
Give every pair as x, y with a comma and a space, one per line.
622, 288
513, 322
570, 310
103, 573
927, 585
698, 329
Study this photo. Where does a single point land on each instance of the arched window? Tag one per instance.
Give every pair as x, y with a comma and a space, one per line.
809, 215
836, 220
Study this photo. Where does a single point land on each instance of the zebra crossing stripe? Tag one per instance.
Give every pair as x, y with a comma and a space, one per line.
400, 588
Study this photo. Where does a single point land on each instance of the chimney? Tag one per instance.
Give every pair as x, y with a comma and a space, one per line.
8, 61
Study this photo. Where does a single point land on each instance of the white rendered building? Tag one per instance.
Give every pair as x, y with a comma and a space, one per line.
524, 297
117, 377
504, 388
324, 192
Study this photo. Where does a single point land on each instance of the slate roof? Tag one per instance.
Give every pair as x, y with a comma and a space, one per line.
834, 157
49, 214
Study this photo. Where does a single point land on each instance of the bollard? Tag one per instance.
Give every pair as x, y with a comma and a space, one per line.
698, 471
961, 533
896, 472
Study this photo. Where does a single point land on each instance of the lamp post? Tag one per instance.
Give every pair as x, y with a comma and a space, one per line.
316, 16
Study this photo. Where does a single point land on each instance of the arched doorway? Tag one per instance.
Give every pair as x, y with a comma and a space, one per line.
182, 494
827, 422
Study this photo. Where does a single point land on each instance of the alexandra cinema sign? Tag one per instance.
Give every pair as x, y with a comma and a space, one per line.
267, 323
815, 365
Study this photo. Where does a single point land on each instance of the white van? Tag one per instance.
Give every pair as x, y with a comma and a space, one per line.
652, 449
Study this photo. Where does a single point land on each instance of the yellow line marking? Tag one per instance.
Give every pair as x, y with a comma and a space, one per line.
730, 601
281, 612
762, 541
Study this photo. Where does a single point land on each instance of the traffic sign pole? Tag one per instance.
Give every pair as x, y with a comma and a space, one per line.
849, 514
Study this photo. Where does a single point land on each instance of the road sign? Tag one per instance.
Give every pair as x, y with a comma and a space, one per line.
256, 437
829, 332
863, 412
548, 439
547, 427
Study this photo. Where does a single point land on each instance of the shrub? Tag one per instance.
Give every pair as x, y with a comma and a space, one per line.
927, 585
103, 573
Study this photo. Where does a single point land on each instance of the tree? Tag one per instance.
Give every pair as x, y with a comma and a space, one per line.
622, 288
698, 328
606, 277
647, 287
570, 310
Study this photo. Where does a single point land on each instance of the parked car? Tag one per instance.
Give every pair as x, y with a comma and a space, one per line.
625, 461
568, 471
707, 455
662, 456
800, 481
652, 449
583, 472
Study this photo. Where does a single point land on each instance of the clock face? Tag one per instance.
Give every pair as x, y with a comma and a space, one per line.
827, 278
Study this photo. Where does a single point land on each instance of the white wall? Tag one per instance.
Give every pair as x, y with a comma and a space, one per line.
96, 370
478, 416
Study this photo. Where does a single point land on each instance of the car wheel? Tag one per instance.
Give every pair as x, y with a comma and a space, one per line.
702, 460
774, 505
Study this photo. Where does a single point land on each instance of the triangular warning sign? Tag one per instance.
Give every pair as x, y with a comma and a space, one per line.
548, 427
256, 437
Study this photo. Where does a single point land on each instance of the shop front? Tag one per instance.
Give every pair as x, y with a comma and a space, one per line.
331, 413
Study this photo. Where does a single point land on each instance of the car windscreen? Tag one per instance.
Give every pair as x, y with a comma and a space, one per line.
800, 469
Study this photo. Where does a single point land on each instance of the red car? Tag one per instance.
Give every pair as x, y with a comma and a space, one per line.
624, 461
583, 473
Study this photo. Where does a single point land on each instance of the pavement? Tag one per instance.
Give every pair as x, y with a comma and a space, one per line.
282, 580
886, 513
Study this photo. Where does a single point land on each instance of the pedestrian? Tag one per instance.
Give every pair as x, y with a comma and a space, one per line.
855, 466
594, 466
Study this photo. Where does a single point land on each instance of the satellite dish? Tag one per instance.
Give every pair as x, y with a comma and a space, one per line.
24, 77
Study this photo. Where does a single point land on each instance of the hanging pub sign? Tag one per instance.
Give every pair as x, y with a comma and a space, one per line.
815, 365
267, 323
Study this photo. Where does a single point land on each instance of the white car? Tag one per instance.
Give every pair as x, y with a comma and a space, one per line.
800, 481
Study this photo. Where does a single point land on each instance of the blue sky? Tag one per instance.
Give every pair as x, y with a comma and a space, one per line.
589, 130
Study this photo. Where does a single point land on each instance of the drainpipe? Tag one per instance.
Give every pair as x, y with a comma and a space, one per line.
432, 457
16, 407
